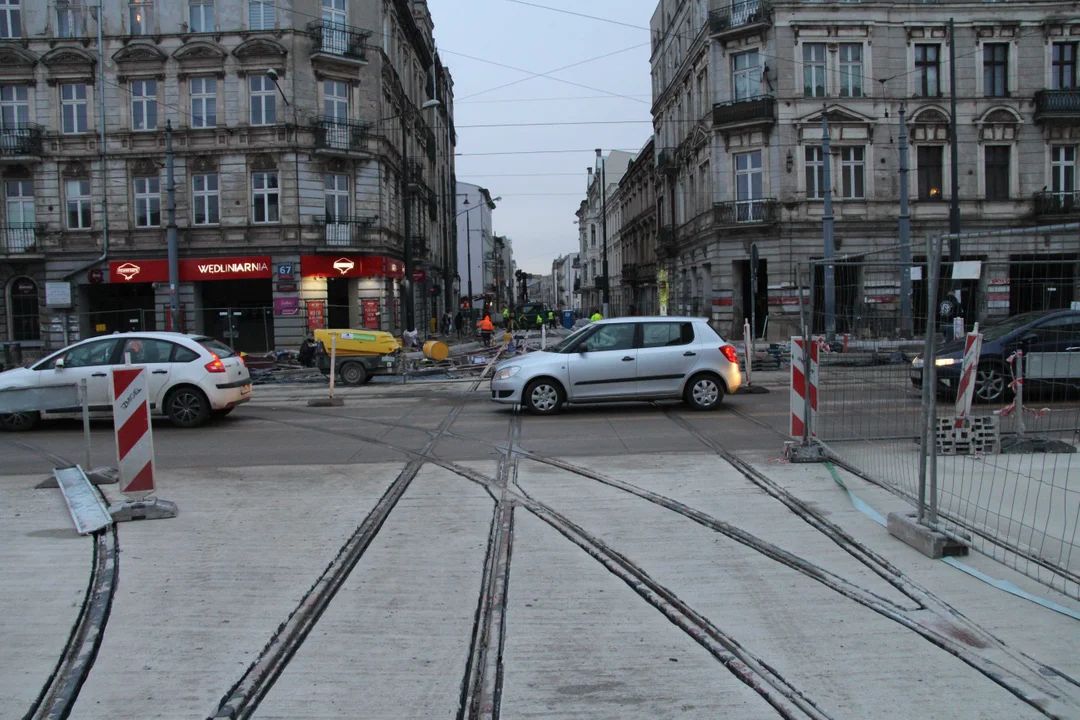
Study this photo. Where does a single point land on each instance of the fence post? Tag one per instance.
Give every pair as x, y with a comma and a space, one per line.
84, 400
1019, 374
333, 363
929, 392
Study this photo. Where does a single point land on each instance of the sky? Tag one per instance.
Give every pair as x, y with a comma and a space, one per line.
477, 40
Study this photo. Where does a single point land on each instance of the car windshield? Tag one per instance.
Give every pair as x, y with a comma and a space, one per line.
570, 339
1010, 325
217, 347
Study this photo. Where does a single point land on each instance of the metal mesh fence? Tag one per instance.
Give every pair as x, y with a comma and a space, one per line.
1005, 478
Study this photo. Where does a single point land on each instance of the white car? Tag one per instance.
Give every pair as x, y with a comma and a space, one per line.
190, 377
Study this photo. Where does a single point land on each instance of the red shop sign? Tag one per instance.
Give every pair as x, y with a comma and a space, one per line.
419, 276
316, 314
371, 313
191, 270
350, 266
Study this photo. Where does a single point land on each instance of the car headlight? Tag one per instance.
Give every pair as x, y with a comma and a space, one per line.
917, 363
941, 362
507, 372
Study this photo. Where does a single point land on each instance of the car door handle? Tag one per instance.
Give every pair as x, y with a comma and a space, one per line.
99, 375
628, 359
160, 372
689, 354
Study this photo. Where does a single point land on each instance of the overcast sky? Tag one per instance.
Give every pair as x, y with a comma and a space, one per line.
475, 37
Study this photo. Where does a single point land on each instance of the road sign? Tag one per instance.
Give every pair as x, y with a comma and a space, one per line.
134, 436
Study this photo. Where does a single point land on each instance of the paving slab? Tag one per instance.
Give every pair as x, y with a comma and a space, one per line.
848, 659
395, 640
201, 594
44, 570
582, 644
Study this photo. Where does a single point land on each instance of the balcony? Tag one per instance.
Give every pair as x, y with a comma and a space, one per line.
433, 207
414, 173
1057, 105
666, 243
731, 20
339, 40
1057, 204
420, 247
760, 211
18, 238
736, 114
430, 146
341, 135
667, 161
22, 141
629, 273
345, 231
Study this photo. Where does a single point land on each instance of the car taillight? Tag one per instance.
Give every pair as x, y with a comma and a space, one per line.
215, 365
729, 353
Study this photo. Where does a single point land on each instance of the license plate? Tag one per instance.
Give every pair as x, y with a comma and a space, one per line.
245, 390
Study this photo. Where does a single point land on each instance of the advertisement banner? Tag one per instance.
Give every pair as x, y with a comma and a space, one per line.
371, 313
351, 266
316, 314
191, 270
287, 306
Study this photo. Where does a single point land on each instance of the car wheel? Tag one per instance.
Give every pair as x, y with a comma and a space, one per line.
990, 383
187, 407
704, 392
543, 397
19, 422
353, 374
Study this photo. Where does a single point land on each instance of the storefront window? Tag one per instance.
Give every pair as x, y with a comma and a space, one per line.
23, 302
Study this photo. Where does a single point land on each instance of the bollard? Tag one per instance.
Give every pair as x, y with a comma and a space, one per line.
333, 363
84, 400
748, 349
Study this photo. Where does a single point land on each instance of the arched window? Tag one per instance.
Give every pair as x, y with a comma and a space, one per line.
23, 309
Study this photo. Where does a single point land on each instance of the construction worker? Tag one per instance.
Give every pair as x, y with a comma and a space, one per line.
506, 318
539, 321
486, 329
596, 317
551, 318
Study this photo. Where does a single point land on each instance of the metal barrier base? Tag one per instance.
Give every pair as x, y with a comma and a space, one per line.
1035, 445
799, 453
926, 540
152, 509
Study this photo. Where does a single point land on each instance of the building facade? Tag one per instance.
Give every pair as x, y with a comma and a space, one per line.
309, 151
637, 234
739, 94
591, 227
476, 245
566, 275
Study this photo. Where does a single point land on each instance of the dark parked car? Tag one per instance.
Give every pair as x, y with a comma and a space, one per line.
1050, 340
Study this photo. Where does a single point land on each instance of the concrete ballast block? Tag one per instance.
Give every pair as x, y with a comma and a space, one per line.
926, 540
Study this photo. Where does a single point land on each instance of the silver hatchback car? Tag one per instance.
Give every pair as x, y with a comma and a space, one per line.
638, 358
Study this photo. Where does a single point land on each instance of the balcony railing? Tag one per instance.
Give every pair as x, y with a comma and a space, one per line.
345, 230
747, 212
1057, 103
420, 246
337, 39
757, 109
429, 141
736, 16
414, 171
629, 273
345, 135
1057, 203
21, 140
666, 242
666, 161
19, 238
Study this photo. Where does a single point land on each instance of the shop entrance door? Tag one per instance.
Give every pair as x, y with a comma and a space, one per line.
337, 303
116, 307
239, 313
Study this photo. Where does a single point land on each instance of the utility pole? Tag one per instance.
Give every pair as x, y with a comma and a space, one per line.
170, 232
954, 207
827, 227
468, 250
905, 234
603, 210
406, 284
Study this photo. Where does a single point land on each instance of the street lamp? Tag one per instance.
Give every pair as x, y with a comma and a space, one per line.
468, 238
603, 210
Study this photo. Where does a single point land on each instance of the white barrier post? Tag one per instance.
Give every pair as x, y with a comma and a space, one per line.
84, 401
966, 390
748, 349
333, 362
804, 360
130, 397
543, 337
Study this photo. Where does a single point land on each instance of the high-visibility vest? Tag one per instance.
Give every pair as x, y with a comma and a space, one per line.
551, 315
486, 324
539, 319
596, 317
506, 314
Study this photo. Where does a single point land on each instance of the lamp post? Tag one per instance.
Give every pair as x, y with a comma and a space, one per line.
468, 238
603, 210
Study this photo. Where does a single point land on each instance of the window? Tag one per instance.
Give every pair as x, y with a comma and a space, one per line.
141, 16
337, 197
657, 335
851, 70
148, 202
203, 102
21, 232
930, 159
24, 310
853, 172
144, 104
996, 166
263, 100
609, 338
814, 69
10, 19
144, 351
592, 231
14, 106
815, 173
205, 199
78, 204
927, 70
201, 16
260, 14
748, 187
69, 20
73, 108
335, 100
91, 354
995, 70
264, 197
1063, 175
184, 355
1063, 66
745, 75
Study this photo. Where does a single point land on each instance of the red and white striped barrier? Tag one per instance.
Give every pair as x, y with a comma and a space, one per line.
800, 387
134, 436
966, 391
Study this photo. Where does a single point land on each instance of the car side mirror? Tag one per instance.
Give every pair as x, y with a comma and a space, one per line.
59, 364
